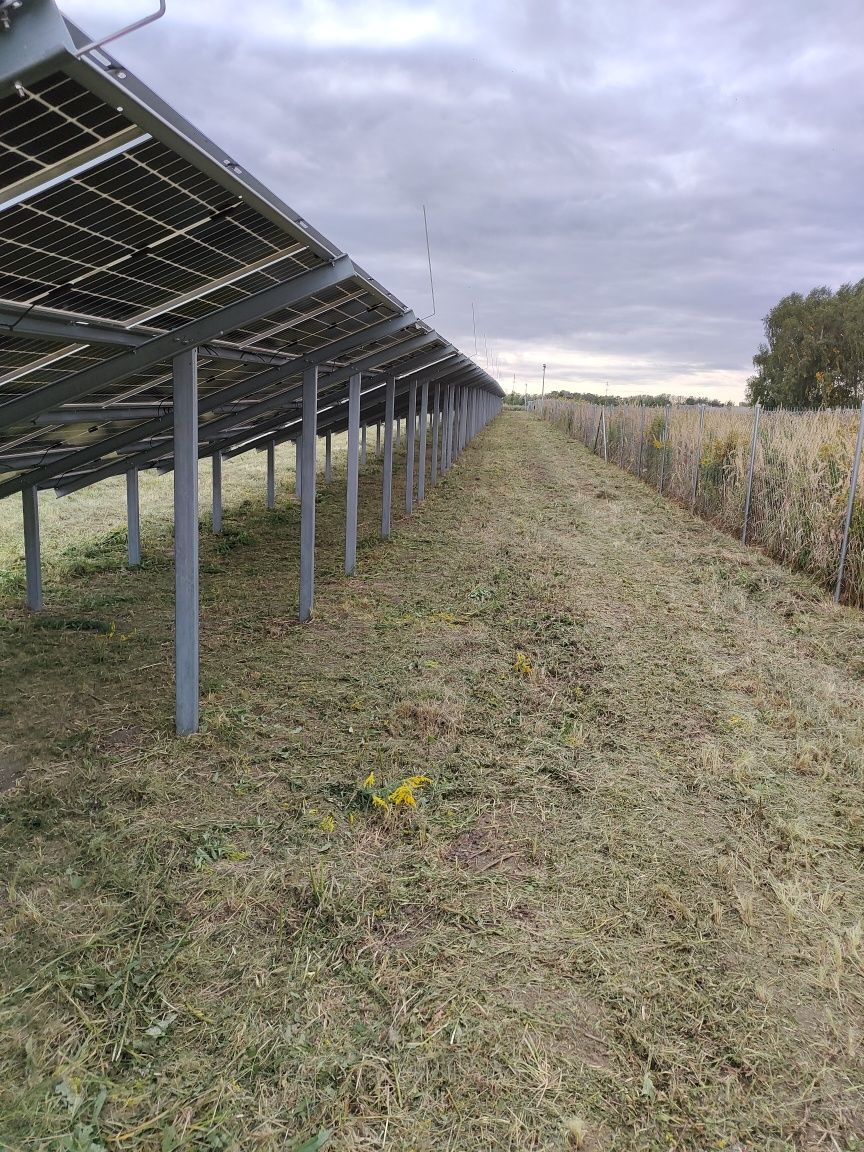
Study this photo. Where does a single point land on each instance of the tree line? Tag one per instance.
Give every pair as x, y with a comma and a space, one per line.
645, 400
813, 352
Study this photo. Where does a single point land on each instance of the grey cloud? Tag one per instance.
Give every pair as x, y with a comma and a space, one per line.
630, 180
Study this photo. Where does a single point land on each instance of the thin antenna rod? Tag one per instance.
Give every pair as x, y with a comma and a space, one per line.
429, 258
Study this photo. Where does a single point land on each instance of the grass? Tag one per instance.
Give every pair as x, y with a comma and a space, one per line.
801, 475
625, 913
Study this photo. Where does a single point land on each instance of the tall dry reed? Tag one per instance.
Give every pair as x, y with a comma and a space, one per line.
700, 458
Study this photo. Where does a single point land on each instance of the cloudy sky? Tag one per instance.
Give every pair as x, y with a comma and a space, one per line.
622, 188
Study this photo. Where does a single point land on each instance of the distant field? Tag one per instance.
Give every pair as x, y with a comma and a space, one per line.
624, 913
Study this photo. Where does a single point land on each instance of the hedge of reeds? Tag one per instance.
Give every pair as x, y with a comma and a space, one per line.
700, 458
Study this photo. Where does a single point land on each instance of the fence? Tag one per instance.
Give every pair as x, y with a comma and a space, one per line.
787, 482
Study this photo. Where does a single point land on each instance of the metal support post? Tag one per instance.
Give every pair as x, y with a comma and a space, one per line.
298, 469
436, 421
410, 428
353, 473
641, 444
217, 492
697, 462
753, 440
133, 519
398, 431
271, 475
378, 438
850, 504
32, 549
307, 499
328, 457
185, 367
363, 444
421, 464
387, 480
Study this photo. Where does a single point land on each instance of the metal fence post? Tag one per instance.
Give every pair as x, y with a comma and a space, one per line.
641, 442
436, 425
698, 461
665, 444
605, 439
753, 439
328, 457
850, 504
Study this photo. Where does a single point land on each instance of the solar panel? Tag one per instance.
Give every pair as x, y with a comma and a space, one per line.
120, 224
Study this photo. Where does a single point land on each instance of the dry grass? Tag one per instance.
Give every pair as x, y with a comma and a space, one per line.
625, 915
800, 480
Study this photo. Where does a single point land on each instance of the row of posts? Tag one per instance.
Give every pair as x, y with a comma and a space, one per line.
751, 467
450, 414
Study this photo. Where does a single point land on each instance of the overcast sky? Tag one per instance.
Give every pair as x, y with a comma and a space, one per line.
622, 188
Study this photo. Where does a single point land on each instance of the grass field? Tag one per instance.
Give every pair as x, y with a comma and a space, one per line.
624, 913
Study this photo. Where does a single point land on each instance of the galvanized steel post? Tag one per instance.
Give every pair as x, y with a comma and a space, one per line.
328, 457
32, 549
271, 475
850, 504
753, 441
133, 519
387, 473
436, 421
353, 473
307, 499
421, 462
665, 445
185, 369
298, 469
410, 427
216, 463
363, 444
698, 461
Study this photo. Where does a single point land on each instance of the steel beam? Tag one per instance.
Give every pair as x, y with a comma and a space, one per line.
308, 453
186, 540
224, 397
328, 457
353, 474
23, 408
298, 466
133, 519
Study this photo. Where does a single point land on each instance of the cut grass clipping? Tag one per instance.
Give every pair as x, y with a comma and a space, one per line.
622, 912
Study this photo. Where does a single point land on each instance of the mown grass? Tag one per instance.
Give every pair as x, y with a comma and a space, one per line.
801, 476
626, 913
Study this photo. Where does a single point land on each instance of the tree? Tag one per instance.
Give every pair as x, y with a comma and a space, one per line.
813, 352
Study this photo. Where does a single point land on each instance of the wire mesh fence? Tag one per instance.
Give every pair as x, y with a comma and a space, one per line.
787, 482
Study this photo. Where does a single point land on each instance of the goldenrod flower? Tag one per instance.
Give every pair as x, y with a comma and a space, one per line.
328, 824
379, 803
369, 782
418, 781
403, 795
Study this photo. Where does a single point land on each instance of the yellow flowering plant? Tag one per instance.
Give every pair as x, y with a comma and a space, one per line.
399, 794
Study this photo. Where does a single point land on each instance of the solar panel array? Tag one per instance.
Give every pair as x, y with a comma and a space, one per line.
123, 228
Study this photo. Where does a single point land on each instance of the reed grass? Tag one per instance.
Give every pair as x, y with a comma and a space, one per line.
700, 459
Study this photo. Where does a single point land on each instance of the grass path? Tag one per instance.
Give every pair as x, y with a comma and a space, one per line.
626, 912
